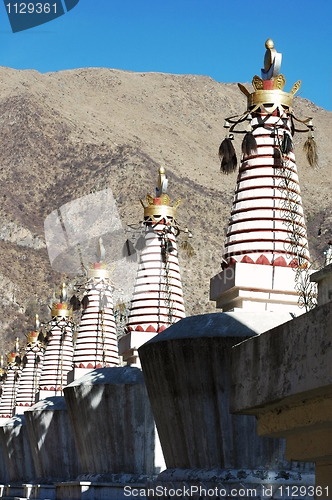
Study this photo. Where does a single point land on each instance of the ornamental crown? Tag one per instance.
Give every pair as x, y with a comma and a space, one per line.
268, 89
158, 207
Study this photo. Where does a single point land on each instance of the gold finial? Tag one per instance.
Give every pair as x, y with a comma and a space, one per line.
99, 270
100, 250
272, 61
11, 356
269, 44
63, 295
268, 90
162, 181
158, 207
61, 308
1, 361
37, 322
33, 338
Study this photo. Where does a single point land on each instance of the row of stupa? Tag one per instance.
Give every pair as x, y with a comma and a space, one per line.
265, 250
50, 360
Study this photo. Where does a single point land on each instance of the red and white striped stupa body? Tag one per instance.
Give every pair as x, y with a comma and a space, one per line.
157, 299
258, 231
9, 388
96, 345
58, 358
266, 235
32, 362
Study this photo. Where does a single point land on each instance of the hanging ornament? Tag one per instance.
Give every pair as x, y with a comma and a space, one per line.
310, 149
75, 303
227, 155
287, 144
85, 302
128, 250
140, 243
249, 144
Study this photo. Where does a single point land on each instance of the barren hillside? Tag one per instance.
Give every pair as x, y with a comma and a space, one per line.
67, 134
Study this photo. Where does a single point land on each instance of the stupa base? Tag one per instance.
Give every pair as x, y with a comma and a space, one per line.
15, 491
231, 483
102, 487
255, 287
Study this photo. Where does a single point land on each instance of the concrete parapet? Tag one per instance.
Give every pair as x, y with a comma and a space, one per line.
290, 363
4, 475
187, 372
284, 378
52, 443
17, 452
112, 421
324, 280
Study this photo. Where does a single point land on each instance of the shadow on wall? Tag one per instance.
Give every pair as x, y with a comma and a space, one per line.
112, 421
51, 439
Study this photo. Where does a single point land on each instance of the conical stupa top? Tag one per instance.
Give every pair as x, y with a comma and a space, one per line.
59, 351
96, 344
157, 299
10, 385
32, 363
267, 225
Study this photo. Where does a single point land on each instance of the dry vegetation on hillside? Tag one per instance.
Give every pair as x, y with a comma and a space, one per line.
67, 134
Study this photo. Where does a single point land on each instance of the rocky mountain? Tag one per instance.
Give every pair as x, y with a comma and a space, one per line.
70, 133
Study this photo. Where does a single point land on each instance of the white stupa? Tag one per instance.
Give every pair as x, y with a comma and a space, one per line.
157, 299
266, 238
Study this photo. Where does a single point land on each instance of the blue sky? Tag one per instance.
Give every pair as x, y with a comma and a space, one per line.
224, 40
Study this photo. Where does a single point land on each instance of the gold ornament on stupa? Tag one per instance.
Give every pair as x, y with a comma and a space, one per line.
268, 98
33, 336
62, 309
12, 356
99, 269
268, 89
158, 207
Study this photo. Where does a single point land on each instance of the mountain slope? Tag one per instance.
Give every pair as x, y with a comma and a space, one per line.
70, 133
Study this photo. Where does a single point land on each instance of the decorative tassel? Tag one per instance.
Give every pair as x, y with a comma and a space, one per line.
188, 248
75, 303
85, 302
227, 156
128, 250
276, 154
287, 144
140, 243
310, 149
104, 302
249, 144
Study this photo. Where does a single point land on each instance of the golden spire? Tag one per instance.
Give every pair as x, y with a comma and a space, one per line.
158, 207
11, 356
99, 269
33, 337
268, 89
37, 322
61, 308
